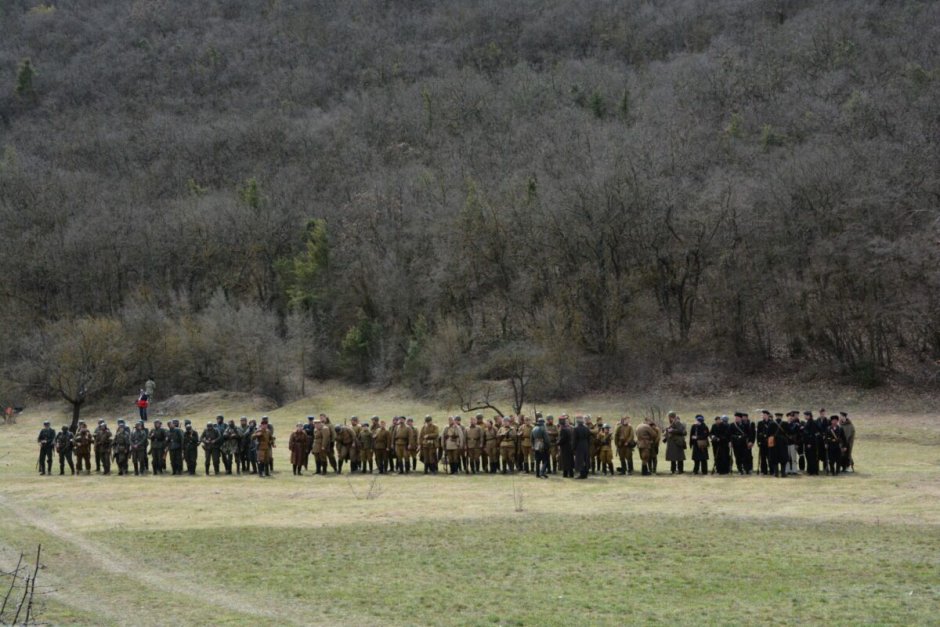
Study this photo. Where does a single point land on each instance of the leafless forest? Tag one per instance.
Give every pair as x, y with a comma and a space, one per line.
568, 195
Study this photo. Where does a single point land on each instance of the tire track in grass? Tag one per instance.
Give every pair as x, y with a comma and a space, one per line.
120, 565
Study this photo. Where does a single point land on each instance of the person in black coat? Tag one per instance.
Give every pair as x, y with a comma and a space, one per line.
698, 444
582, 448
721, 440
810, 446
739, 439
835, 444
566, 447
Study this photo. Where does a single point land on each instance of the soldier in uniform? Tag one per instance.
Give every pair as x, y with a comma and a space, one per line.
654, 447
365, 450
595, 428
428, 437
355, 427
412, 444
174, 444
525, 445
190, 447
582, 447
810, 436
318, 447
63, 446
381, 441
777, 447
763, 433
297, 445
540, 446
344, 442
394, 463
646, 437
698, 443
243, 454
605, 453
795, 435
329, 440
675, 444
158, 437
405, 440
94, 435
121, 447
490, 448
739, 435
453, 437
474, 440
506, 436
83, 441
229, 446
625, 442
848, 429
265, 440
565, 447
46, 442
103, 447
721, 441
210, 445
138, 452
835, 445
308, 429
553, 432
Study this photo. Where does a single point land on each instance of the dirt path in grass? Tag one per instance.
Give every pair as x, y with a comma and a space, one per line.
107, 560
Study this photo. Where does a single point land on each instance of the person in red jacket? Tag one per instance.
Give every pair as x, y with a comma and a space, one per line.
143, 402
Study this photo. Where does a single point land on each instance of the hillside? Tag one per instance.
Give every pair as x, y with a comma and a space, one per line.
581, 195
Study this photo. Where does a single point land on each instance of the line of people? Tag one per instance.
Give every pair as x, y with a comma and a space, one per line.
509, 444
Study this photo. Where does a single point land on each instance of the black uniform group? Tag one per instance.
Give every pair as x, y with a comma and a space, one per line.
785, 446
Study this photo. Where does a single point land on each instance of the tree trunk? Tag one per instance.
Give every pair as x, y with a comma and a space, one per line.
76, 409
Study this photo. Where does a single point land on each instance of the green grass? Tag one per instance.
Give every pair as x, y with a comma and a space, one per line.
860, 548
540, 569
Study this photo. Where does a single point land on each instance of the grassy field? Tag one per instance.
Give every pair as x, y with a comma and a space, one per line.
860, 548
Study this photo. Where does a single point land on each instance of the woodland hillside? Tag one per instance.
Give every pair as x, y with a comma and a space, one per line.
567, 195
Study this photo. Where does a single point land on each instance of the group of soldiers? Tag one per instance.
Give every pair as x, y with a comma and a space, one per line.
786, 445
245, 447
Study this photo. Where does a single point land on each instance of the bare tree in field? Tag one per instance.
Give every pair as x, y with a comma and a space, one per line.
82, 358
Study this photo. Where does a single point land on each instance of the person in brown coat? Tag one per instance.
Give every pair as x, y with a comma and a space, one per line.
298, 448
265, 444
625, 442
646, 438
381, 442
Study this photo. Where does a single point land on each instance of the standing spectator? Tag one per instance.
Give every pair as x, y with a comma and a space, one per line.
143, 402
150, 386
565, 447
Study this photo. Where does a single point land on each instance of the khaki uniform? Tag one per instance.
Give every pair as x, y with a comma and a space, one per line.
82, 444
381, 441
428, 437
625, 441
553, 435
454, 444
525, 447
490, 449
405, 441
474, 435
646, 437
365, 450
507, 446
604, 453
